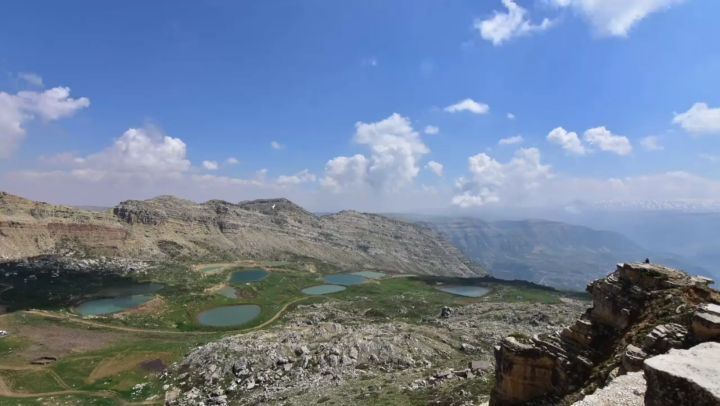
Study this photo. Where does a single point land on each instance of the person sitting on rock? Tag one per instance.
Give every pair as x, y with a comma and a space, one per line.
647, 260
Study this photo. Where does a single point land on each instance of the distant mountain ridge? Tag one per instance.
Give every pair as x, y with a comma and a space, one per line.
167, 227
551, 253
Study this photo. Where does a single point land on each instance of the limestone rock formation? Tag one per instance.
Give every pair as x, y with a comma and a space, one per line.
638, 311
170, 228
684, 377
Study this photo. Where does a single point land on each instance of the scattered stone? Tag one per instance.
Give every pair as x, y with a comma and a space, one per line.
633, 358
706, 322
446, 312
625, 390
684, 377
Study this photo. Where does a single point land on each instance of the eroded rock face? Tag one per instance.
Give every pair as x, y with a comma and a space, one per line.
706, 322
684, 377
639, 311
170, 228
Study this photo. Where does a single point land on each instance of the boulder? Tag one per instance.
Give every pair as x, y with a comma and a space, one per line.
684, 377
706, 322
633, 358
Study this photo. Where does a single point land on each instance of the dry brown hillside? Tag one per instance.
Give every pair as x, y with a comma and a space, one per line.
170, 228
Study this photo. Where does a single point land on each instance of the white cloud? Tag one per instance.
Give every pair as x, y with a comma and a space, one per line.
431, 130
32, 79
615, 17
18, 109
343, 173
607, 141
517, 139
468, 105
304, 176
232, 161
435, 167
699, 119
651, 143
396, 150
505, 26
569, 141
511, 116
276, 145
491, 181
210, 165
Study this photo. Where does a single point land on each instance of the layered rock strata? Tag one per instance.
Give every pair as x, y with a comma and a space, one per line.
638, 311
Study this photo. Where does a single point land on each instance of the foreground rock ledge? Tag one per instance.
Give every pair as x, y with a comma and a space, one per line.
684, 377
639, 311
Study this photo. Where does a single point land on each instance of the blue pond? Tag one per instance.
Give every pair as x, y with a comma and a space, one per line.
323, 289
118, 299
370, 274
467, 291
248, 275
229, 316
346, 279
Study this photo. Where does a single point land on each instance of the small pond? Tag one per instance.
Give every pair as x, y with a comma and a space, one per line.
323, 289
248, 275
229, 316
467, 291
346, 279
370, 274
117, 299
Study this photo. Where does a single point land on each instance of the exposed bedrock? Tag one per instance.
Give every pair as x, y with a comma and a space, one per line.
639, 311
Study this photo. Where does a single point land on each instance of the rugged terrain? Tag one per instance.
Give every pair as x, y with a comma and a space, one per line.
639, 313
551, 253
342, 353
168, 228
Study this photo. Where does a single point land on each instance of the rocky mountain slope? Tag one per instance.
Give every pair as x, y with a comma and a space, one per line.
170, 228
547, 252
641, 316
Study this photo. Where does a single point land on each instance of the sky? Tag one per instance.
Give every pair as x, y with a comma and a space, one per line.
376, 105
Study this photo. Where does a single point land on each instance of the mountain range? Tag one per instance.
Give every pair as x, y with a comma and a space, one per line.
169, 228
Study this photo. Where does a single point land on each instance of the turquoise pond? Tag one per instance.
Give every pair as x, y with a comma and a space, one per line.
248, 275
346, 279
467, 291
369, 274
323, 289
229, 316
118, 299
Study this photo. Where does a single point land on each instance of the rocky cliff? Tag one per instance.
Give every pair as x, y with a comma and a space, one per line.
639, 311
170, 228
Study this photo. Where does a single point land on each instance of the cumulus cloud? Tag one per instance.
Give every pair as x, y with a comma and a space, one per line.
431, 130
395, 153
699, 119
435, 167
491, 181
615, 17
511, 116
603, 139
33, 79
18, 109
232, 161
344, 173
210, 165
517, 139
651, 143
502, 27
569, 141
304, 176
276, 145
469, 105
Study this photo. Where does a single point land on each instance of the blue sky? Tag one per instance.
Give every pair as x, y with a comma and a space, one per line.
163, 93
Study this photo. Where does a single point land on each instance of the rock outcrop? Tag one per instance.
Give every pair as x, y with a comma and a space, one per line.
168, 228
684, 377
639, 311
